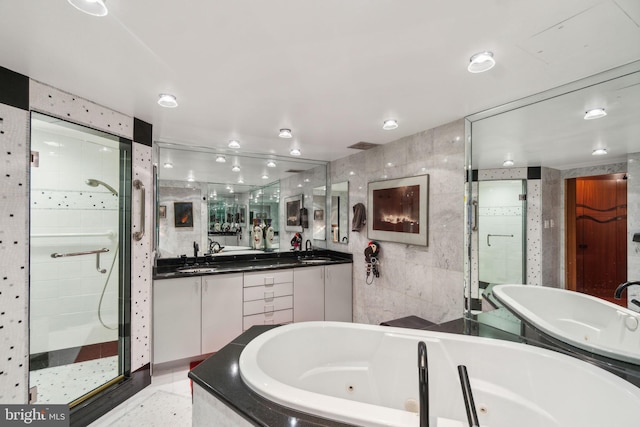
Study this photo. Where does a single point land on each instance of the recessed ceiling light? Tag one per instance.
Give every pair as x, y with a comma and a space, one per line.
595, 113
307, 180
599, 152
352, 173
507, 163
168, 165
231, 190
240, 181
390, 124
191, 179
265, 176
285, 133
167, 101
221, 159
271, 164
481, 61
234, 144
91, 7
295, 152
299, 185
235, 168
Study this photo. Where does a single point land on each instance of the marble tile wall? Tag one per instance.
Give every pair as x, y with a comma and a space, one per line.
425, 281
176, 241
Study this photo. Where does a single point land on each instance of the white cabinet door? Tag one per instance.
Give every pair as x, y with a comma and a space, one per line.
308, 293
338, 293
221, 310
176, 319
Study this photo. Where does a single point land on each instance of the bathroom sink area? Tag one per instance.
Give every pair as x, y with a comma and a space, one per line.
192, 270
315, 260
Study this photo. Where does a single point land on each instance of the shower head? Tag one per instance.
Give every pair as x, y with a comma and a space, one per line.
95, 182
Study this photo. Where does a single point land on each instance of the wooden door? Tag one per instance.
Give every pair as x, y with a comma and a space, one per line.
601, 230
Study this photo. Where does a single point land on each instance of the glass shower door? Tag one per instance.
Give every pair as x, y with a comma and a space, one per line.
76, 262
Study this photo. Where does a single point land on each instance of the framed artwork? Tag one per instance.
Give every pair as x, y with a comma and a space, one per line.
162, 211
398, 210
318, 215
183, 214
292, 210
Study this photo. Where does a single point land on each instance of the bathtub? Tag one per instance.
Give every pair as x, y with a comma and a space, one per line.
367, 375
588, 323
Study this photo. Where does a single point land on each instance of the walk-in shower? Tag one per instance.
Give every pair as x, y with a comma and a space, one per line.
78, 276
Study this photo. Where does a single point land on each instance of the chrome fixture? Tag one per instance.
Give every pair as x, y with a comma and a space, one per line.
390, 124
285, 133
168, 101
91, 7
481, 62
467, 394
95, 182
423, 384
622, 287
97, 252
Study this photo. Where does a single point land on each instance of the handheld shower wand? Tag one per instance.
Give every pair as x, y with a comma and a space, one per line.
95, 182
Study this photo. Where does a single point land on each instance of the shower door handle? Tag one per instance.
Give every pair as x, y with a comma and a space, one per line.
138, 185
475, 215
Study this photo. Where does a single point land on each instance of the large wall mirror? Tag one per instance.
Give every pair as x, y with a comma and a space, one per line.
339, 218
212, 201
553, 196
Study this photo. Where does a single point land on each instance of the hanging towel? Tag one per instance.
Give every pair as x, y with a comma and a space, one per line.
359, 217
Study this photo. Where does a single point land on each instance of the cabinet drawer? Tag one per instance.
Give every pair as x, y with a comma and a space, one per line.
268, 305
268, 291
271, 318
268, 277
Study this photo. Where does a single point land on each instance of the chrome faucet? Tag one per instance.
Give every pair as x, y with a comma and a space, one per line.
196, 248
308, 246
622, 287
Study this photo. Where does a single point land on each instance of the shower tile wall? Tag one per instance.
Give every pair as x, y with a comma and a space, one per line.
142, 260
633, 225
14, 261
425, 281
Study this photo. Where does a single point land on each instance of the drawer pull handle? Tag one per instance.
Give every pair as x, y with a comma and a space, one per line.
269, 295
268, 308
269, 280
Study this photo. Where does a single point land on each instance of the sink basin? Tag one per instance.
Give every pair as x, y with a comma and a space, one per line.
197, 270
315, 260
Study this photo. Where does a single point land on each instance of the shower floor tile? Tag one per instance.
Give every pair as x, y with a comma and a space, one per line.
65, 383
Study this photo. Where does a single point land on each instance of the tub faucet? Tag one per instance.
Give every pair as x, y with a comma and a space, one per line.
623, 286
423, 384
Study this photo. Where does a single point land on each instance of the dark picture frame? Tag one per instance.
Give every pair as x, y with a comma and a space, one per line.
183, 214
293, 205
398, 210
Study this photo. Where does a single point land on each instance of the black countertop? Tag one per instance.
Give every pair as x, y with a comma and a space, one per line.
220, 376
167, 268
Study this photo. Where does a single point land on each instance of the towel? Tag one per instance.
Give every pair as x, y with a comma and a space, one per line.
359, 217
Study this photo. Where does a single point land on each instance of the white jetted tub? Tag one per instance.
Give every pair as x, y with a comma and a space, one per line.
368, 375
588, 323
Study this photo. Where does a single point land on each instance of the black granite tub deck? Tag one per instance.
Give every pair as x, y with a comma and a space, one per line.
218, 376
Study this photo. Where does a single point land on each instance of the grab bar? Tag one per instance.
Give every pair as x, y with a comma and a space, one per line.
97, 234
467, 394
138, 185
423, 384
97, 252
497, 235
475, 215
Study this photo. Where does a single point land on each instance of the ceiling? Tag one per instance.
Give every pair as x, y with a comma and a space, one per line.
331, 70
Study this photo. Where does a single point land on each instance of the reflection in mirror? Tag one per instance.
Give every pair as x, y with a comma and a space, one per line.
574, 198
339, 218
224, 195
319, 217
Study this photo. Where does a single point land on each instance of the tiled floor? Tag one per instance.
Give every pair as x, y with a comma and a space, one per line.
65, 383
166, 402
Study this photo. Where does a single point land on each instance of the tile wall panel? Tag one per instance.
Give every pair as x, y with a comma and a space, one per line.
14, 255
141, 259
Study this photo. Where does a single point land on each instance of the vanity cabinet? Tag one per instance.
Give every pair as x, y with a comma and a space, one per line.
308, 293
268, 298
176, 318
221, 310
338, 292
